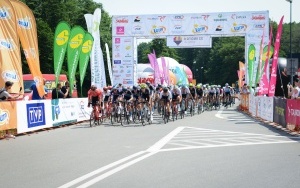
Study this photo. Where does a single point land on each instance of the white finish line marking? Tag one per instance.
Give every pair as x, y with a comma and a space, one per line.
170, 139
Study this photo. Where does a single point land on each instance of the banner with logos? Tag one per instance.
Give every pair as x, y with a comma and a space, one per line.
63, 111
252, 105
82, 110
8, 115
27, 31
266, 106
292, 113
10, 55
33, 115
123, 63
200, 41
279, 111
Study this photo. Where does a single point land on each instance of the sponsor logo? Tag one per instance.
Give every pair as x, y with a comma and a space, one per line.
38, 80
259, 26
127, 82
123, 20
199, 29
178, 17
219, 28
158, 29
153, 18
235, 17
294, 112
137, 29
162, 18
128, 71
120, 30
258, 17
117, 40
24, 23
7, 44
205, 17
126, 61
10, 75
128, 48
29, 52
117, 55
4, 13
76, 41
128, 75
128, 55
196, 17
35, 115
121, 71
220, 18
177, 39
62, 37
280, 111
127, 40
117, 62
239, 27
4, 117
117, 47
137, 19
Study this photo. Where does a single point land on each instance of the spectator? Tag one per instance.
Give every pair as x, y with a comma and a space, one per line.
294, 93
35, 93
57, 93
244, 89
256, 92
65, 88
4, 95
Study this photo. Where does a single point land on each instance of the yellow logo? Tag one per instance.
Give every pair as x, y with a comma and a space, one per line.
76, 41
251, 55
62, 37
87, 46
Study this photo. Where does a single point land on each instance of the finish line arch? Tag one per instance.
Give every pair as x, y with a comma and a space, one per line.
127, 28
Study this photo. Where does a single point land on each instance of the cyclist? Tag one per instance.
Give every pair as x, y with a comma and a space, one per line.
94, 98
211, 94
185, 92
217, 96
128, 97
106, 94
227, 94
166, 96
146, 97
193, 96
152, 91
199, 92
176, 96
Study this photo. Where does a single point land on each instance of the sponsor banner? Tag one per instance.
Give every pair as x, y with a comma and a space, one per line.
82, 110
37, 116
200, 41
252, 104
123, 61
258, 102
279, 111
220, 23
293, 113
267, 104
8, 115
63, 111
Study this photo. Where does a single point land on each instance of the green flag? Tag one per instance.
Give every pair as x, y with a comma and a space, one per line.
85, 55
251, 61
61, 39
264, 58
76, 39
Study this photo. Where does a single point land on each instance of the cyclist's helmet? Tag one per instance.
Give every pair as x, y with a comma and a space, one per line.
191, 85
198, 86
134, 88
105, 89
148, 83
184, 87
143, 86
226, 84
109, 87
124, 90
93, 87
165, 89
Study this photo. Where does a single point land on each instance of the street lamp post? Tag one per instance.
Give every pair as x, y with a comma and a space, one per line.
292, 71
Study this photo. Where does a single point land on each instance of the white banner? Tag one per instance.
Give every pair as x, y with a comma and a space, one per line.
109, 64
63, 111
82, 111
123, 62
267, 108
252, 105
199, 41
33, 115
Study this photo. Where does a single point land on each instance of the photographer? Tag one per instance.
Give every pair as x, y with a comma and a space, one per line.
66, 88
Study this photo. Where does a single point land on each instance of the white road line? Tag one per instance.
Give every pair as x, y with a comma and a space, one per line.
227, 145
177, 144
158, 145
82, 178
115, 170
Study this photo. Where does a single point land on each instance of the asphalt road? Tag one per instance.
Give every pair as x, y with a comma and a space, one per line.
215, 149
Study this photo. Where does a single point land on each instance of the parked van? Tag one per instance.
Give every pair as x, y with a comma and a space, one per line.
50, 84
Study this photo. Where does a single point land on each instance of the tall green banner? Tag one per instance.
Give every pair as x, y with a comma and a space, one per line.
85, 55
251, 62
264, 58
74, 47
61, 39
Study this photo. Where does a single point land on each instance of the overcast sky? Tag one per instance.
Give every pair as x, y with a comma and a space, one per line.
277, 8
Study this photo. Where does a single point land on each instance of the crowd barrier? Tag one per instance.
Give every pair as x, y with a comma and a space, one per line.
284, 112
27, 116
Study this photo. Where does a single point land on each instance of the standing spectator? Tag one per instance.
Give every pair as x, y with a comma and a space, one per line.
35, 93
244, 89
4, 96
57, 93
66, 88
294, 93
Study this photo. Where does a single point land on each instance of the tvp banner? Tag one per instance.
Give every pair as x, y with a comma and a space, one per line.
61, 39
8, 115
10, 55
74, 47
37, 116
26, 28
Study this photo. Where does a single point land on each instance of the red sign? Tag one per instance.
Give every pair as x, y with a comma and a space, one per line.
293, 112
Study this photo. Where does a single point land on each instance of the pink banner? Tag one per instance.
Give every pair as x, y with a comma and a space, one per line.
293, 113
153, 62
165, 70
264, 82
275, 60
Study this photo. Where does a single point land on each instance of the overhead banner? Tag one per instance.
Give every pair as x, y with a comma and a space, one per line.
74, 47
61, 39
85, 55
10, 55
201, 41
27, 31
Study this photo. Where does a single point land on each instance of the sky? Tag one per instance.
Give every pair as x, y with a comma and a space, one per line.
276, 8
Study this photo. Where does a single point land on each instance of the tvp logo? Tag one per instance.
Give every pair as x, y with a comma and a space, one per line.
35, 114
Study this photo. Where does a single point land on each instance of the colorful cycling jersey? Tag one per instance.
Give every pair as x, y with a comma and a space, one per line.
226, 89
212, 91
94, 96
199, 92
165, 96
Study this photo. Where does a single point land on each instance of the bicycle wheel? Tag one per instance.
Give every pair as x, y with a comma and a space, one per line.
92, 121
199, 109
192, 109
